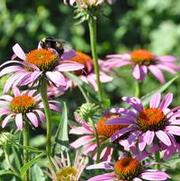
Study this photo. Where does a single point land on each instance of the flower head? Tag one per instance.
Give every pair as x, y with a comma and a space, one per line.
86, 3
67, 170
127, 169
154, 124
38, 63
143, 62
87, 74
23, 106
88, 138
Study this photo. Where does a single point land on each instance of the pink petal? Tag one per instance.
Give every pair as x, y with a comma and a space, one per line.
136, 72
82, 141
69, 66
103, 177
79, 131
163, 137
40, 114
175, 130
157, 73
120, 133
155, 100
57, 78
166, 101
33, 118
156, 175
6, 98
19, 121
16, 91
6, 120
10, 69
103, 165
149, 136
19, 51
119, 121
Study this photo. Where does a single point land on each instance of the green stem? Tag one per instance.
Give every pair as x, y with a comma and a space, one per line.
138, 86
157, 158
43, 90
97, 140
26, 152
93, 39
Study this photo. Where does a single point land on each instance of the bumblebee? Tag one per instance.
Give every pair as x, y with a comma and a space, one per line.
50, 42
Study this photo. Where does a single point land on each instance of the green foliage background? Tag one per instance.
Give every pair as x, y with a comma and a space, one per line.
126, 25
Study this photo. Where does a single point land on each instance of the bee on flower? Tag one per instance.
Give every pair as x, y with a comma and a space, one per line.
24, 106
65, 170
142, 62
38, 63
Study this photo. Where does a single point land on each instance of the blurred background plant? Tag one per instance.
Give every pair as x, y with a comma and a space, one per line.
126, 25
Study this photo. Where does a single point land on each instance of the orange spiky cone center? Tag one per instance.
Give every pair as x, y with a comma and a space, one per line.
142, 57
151, 119
22, 103
127, 168
44, 59
107, 130
84, 59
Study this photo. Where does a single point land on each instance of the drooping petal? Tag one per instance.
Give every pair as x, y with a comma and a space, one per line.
157, 73
6, 120
120, 133
69, 66
103, 177
149, 136
173, 130
120, 121
163, 137
33, 119
57, 78
155, 175
19, 121
81, 141
136, 72
40, 114
103, 165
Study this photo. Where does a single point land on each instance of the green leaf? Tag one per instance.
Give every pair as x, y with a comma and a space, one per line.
37, 173
61, 137
145, 99
27, 166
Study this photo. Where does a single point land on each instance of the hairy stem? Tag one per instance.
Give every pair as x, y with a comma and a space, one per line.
43, 90
93, 40
25, 144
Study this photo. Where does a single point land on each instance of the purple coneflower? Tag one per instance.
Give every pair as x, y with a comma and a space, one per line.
36, 64
87, 74
127, 169
88, 138
157, 123
65, 170
142, 62
23, 106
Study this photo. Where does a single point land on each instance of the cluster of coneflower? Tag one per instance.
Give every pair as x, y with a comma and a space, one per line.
129, 143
